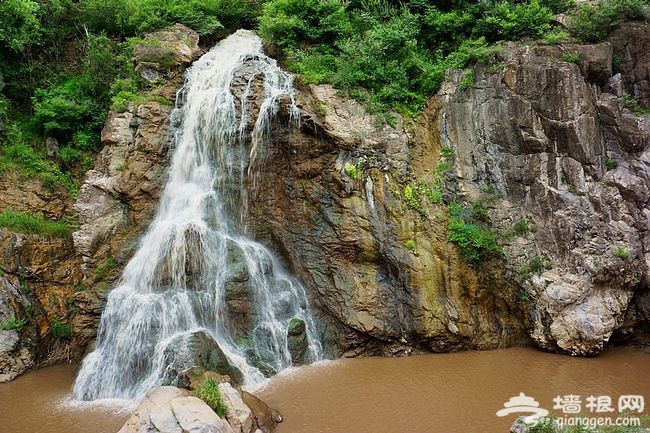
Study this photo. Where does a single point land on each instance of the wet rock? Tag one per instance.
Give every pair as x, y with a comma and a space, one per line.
15, 359
265, 417
200, 350
297, 340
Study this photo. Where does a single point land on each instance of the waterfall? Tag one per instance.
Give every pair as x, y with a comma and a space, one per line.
195, 250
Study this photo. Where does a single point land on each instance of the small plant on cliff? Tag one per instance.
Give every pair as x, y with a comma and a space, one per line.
208, 391
33, 224
475, 241
621, 253
611, 164
13, 323
60, 330
102, 271
572, 58
469, 79
410, 244
354, 170
632, 103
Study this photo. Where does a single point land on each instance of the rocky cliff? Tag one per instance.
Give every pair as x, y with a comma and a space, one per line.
513, 211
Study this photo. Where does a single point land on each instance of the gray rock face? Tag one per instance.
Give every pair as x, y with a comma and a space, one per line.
565, 155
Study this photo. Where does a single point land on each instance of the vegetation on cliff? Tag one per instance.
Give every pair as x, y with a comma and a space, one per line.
64, 63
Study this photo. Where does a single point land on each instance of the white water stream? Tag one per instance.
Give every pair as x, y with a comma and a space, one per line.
175, 284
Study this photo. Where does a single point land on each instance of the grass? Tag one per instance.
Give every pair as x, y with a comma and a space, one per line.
13, 323
60, 330
621, 253
474, 239
572, 58
632, 103
611, 164
22, 222
104, 270
208, 391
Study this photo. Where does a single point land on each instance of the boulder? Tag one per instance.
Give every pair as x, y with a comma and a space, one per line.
167, 409
239, 415
166, 52
52, 146
297, 341
265, 417
194, 416
197, 349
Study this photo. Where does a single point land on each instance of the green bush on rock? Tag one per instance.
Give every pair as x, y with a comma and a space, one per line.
208, 391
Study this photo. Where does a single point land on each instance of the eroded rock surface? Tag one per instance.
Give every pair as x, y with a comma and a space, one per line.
569, 164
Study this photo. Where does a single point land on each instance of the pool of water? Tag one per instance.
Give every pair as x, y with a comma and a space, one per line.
445, 393
437, 393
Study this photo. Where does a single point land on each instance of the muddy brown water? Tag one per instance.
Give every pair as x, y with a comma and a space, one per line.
446, 393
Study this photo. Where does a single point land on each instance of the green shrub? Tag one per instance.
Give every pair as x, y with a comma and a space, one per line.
469, 79
592, 23
572, 58
13, 323
34, 224
611, 164
508, 21
354, 170
556, 36
19, 23
621, 253
60, 330
475, 241
632, 103
291, 23
522, 227
208, 391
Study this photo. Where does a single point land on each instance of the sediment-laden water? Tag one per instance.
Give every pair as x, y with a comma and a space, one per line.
445, 393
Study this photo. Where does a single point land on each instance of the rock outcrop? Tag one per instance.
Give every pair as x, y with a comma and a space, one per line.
167, 409
569, 166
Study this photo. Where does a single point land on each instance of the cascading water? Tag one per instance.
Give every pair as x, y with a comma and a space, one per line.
177, 282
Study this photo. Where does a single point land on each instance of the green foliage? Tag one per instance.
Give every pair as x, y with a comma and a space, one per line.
208, 391
410, 245
536, 265
572, 58
19, 23
34, 224
104, 270
621, 253
475, 240
593, 22
556, 36
611, 164
394, 57
632, 103
13, 323
509, 20
354, 170
522, 227
60, 330
291, 23
469, 79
